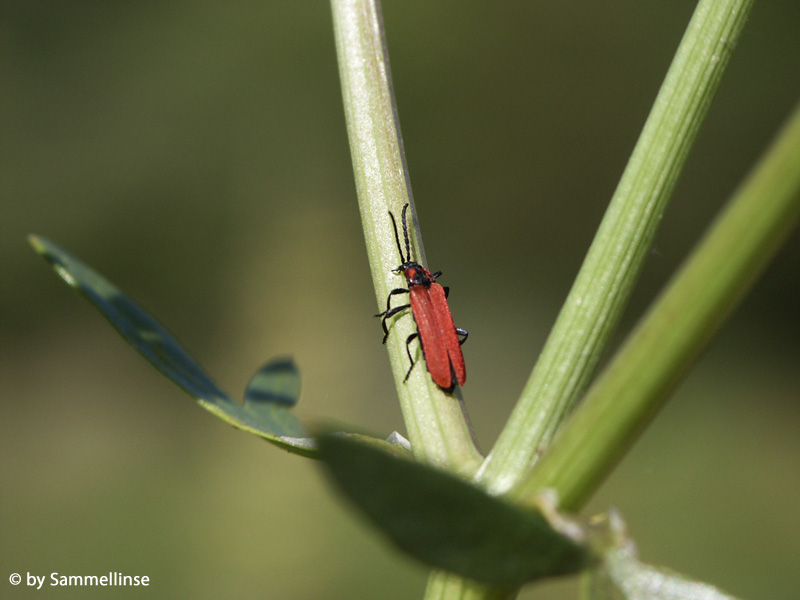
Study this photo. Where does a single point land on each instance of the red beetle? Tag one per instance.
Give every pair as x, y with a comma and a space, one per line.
438, 335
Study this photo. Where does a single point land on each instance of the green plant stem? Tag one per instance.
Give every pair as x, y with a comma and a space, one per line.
623, 240
660, 350
446, 586
436, 425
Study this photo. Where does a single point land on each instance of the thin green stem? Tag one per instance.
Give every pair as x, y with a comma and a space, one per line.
435, 423
605, 281
661, 349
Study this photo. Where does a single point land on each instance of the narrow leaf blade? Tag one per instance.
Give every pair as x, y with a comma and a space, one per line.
271, 391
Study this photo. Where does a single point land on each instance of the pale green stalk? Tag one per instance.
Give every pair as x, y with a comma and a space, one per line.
606, 279
446, 586
661, 349
435, 423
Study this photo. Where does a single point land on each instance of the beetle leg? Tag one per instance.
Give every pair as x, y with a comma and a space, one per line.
387, 315
410, 339
389, 301
390, 312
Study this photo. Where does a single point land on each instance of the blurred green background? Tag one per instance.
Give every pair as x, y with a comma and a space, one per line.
195, 153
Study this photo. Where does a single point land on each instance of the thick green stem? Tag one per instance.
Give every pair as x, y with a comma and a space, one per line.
435, 423
605, 281
446, 586
660, 350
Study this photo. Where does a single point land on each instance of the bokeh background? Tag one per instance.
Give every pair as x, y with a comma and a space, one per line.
195, 153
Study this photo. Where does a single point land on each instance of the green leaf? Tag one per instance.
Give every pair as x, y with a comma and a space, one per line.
273, 388
449, 523
277, 382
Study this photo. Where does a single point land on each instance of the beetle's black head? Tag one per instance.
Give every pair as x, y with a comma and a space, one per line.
415, 274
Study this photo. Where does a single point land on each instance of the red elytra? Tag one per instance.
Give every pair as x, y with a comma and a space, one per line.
438, 335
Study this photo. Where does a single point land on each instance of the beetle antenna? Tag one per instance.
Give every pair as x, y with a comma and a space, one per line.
397, 238
405, 233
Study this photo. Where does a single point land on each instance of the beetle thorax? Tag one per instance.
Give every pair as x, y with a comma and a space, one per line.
416, 274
